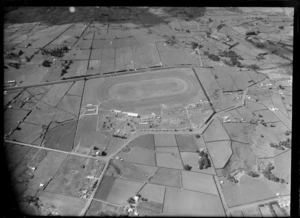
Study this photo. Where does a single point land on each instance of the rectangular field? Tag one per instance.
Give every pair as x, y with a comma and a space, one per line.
108, 60
199, 182
171, 56
126, 170
143, 141
167, 177
64, 205
122, 190
105, 187
191, 203
14, 154
139, 156
88, 137
162, 140
169, 160
145, 56
71, 177
186, 142
46, 168
209, 82
225, 80
19, 172
124, 58
153, 192
61, 137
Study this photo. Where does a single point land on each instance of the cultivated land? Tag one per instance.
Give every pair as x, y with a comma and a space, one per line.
107, 103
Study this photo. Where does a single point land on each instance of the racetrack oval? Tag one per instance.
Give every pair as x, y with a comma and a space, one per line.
147, 89
130, 92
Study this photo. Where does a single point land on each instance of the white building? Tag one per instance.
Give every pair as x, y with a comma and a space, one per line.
127, 113
116, 111
131, 114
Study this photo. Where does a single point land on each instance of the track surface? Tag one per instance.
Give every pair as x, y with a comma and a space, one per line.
181, 86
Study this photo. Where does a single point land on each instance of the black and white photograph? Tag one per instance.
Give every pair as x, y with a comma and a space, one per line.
148, 111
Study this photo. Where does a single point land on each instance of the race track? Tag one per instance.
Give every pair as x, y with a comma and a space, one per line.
171, 86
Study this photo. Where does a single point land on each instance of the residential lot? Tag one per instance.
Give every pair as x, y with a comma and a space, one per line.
106, 110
